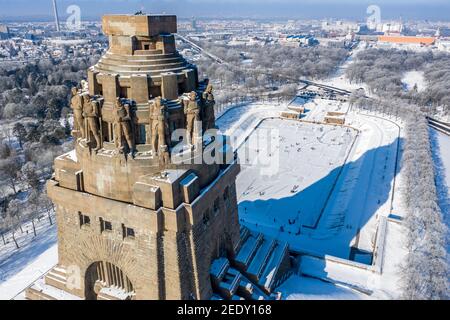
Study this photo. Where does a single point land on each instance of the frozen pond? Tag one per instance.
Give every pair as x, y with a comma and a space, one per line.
306, 168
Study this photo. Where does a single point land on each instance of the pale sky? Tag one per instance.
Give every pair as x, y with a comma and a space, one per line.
354, 9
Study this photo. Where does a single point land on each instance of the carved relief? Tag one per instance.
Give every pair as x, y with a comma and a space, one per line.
76, 103
91, 112
192, 112
159, 126
208, 117
164, 156
122, 126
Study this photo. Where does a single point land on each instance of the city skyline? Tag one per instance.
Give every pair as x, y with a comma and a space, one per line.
295, 9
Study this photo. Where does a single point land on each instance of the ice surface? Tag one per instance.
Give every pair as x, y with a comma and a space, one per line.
309, 160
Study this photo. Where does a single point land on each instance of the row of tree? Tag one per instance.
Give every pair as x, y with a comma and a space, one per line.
36, 207
269, 72
41, 89
425, 272
382, 70
34, 100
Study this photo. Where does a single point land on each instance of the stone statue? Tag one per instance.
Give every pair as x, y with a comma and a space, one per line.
76, 103
160, 127
192, 112
164, 156
91, 112
122, 125
208, 117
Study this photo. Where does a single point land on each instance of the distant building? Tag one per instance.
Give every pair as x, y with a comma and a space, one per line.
247, 41
426, 41
194, 24
30, 36
299, 40
4, 29
340, 27
366, 30
394, 28
4, 32
390, 28
443, 32
335, 118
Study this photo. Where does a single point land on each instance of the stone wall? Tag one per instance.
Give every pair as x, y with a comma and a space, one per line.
170, 255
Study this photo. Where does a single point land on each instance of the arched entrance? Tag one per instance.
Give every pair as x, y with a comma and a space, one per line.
106, 281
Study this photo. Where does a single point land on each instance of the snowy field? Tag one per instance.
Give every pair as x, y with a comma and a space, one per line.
20, 267
309, 159
238, 122
359, 169
413, 78
313, 289
363, 194
324, 150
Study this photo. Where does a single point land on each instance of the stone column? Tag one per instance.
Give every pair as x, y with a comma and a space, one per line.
169, 86
190, 84
111, 88
94, 86
139, 89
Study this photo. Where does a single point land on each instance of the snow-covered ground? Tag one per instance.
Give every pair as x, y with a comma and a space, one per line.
19, 268
305, 288
362, 195
313, 159
239, 122
322, 151
413, 78
308, 163
311, 163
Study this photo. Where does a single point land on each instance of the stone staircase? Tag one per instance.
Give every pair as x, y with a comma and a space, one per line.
48, 287
57, 277
260, 265
114, 293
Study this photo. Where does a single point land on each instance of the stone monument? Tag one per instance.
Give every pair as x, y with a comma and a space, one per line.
133, 223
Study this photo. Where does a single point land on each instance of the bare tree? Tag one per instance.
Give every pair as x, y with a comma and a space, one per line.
9, 169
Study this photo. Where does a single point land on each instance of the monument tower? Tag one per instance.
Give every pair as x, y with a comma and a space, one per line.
132, 223
140, 212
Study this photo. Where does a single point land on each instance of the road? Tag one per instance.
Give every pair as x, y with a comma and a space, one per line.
440, 126
206, 53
